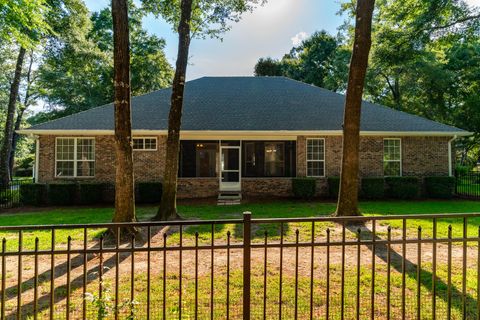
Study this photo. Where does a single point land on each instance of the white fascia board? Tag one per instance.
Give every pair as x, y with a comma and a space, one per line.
244, 133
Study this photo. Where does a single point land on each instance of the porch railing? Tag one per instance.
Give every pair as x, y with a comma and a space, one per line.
385, 267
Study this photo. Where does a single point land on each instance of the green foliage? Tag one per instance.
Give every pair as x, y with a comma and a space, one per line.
462, 169
61, 194
425, 60
23, 21
268, 67
23, 173
33, 194
77, 71
319, 60
304, 188
373, 188
333, 186
149, 192
402, 187
440, 187
210, 18
90, 193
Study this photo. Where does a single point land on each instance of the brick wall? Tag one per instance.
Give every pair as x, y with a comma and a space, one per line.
425, 156
148, 165
189, 188
421, 156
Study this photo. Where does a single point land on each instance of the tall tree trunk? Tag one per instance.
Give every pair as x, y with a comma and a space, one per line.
15, 137
348, 194
5, 174
168, 205
20, 113
124, 179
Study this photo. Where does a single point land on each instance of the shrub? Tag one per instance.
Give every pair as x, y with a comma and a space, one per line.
402, 187
304, 188
373, 188
61, 194
440, 187
333, 186
91, 193
33, 194
149, 192
462, 169
23, 173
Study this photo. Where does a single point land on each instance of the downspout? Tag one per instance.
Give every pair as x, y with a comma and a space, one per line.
37, 153
450, 167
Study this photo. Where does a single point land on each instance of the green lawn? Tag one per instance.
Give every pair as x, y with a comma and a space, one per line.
466, 186
286, 209
277, 209
261, 210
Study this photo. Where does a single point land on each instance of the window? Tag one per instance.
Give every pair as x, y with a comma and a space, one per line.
274, 159
315, 157
392, 157
145, 144
206, 159
75, 157
263, 159
198, 159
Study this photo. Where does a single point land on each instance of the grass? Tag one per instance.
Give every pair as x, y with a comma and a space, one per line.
468, 186
284, 209
288, 294
259, 210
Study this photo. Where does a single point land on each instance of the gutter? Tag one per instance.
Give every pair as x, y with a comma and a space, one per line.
242, 133
37, 159
450, 166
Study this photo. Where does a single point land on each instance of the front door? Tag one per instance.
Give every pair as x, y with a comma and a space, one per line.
230, 168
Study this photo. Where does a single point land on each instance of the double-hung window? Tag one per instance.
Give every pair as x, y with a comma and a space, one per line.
392, 157
145, 144
75, 157
315, 157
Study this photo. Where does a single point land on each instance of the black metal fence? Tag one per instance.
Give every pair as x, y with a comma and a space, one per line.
468, 184
384, 267
10, 194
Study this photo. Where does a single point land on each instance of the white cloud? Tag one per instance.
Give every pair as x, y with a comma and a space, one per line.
475, 3
298, 38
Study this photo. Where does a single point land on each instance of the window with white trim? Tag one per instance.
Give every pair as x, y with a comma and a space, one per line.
315, 157
75, 157
392, 157
145, 144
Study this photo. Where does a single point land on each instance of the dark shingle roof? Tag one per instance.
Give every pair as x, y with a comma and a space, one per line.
249, 103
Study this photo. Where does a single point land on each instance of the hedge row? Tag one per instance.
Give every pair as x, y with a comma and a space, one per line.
65, 194
379, 188
399, 187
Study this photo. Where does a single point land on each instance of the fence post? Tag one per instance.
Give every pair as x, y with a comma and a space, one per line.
247, 232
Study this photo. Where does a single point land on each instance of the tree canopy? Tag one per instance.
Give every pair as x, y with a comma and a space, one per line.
77, 73
321, 60
425, 60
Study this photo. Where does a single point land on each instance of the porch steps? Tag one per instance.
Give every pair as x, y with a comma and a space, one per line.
229, 198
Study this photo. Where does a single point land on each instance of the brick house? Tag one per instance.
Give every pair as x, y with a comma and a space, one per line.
244, 134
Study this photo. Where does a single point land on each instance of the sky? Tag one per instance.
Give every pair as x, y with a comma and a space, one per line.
268, 31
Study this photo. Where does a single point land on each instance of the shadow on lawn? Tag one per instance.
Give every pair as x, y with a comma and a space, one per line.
426, 277
110, 264
93, 274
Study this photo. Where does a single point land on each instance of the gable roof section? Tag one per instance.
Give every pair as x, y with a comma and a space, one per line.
249, 104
